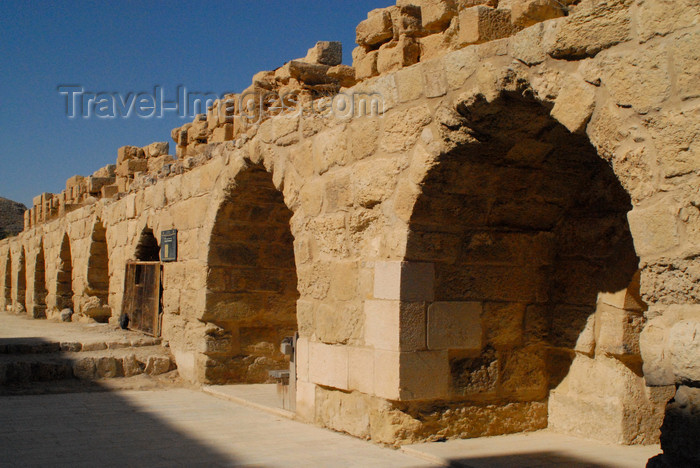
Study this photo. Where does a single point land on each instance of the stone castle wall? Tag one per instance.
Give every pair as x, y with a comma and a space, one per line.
510, 244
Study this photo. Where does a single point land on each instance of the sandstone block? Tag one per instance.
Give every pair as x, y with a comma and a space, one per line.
525, 13
406, 19
410, 83
412, 375
617, 331
343, 74
437, 14
361, 370
395, 325
155, 149
454, 325
377, 28
404, 281
306, 401
574, 105
684, 347
132, 166
157, 365
653, 229
483, 24
126, 153
328, 365
592, 27
325, 53
395, 55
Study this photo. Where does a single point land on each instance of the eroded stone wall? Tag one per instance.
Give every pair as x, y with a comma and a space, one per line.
467, 262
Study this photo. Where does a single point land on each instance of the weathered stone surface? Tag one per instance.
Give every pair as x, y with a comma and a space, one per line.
325, 53
481, 24
661, 17
684, 346
404, 281
377, 28
574, 105
436, 14
680, 428
525, 13
394, 325
395, 55
592, 27
454, 325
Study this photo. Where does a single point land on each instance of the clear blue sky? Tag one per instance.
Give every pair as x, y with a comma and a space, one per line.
123, 47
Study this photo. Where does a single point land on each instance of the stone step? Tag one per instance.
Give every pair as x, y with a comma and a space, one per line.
84, 365
42, 346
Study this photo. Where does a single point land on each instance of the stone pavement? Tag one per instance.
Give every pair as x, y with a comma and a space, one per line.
183, 427
176, 427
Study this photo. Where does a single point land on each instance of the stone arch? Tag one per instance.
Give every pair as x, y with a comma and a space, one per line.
7, 283
251, 283
98, 264
38, 302
64, 276
147, 249
20, 291
518, 253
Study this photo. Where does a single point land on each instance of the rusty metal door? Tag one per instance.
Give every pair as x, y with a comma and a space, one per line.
142, 296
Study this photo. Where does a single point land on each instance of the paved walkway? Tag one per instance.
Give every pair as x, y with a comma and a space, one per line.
22, 329
175, 427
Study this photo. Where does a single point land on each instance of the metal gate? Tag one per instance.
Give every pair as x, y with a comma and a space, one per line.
142, 296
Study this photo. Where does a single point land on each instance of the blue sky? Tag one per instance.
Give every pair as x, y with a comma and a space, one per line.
123, 47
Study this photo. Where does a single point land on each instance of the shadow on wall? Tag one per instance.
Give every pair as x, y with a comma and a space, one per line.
94, 428
524, 218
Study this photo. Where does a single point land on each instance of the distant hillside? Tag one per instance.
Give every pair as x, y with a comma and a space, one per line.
11, 217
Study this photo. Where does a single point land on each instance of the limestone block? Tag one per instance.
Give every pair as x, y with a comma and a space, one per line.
126, 153
434, 45
412, 375
309, 73
404, 281
328, 365
374, 181
593, 26
454, 325
573, 327
377, 28
503, 323
617, 331
684, 347
107, 367
361, 370
434, 78
156, 149
686, 61
523, 373
437, 14
395, 55
406, 19
660, 17
653, 228
157, 365
395, 325
325, 53
338, 323
343, 74
525, 13
306, 401
224, 133
482, 24
604, 399
627, 299
460, 66
131, 166
95, 184
410, 83
402, 129
345, 412
574, 105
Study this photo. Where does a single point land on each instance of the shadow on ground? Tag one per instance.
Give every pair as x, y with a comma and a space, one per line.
50, 418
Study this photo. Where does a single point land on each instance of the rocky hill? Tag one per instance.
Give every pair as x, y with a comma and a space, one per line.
11, 217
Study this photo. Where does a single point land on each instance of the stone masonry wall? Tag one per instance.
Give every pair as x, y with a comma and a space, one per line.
463, 259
